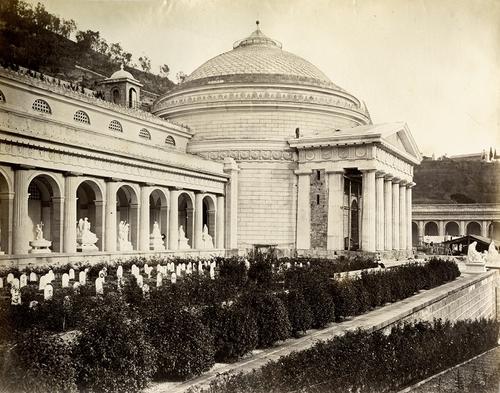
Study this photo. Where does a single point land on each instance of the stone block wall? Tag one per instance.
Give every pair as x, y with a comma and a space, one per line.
318, 197
266, 204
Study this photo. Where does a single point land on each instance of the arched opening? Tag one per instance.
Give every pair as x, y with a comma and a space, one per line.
44, 209
414, 234
473, 228
431, 229
116, 96
132, 98
158, 212
186, 218
208, 215
452, 229
5, 215
127, 214
494, 230
89, 204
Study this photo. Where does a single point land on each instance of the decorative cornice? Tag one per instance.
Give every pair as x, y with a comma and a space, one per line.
250, 155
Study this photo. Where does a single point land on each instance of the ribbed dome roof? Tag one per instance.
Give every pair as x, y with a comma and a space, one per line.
260, 55
121, 73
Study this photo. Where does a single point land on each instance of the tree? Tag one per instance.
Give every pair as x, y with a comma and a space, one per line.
88, 39
181, 76
145, 63
164, 70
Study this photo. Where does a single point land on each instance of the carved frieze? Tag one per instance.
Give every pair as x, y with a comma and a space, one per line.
251, 155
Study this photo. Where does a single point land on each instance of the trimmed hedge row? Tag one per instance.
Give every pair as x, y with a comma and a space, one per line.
368, 362
180, 330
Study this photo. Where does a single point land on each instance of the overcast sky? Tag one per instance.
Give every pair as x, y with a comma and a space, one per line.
434, 64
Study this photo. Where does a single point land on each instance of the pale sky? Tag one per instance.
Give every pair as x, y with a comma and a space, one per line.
434, 64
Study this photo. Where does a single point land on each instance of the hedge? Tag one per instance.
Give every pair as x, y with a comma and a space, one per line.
368, 362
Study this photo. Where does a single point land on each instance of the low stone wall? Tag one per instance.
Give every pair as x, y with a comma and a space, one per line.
57, 259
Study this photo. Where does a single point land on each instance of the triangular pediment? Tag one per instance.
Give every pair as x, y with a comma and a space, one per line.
401, 138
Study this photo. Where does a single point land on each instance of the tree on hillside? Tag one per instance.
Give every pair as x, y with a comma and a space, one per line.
164, 70
88, 40
145, 63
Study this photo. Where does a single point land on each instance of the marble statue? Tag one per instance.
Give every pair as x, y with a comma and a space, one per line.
206, 239
492, 256
40, 245
183, 241
156, 242
85, 239
123, 243
475, 261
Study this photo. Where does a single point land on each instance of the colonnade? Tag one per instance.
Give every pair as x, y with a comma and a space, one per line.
385, 212
114, 200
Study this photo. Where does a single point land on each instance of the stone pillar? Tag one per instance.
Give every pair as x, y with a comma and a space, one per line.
99, 229
198, 220
164, 224
134, 224
21, 232
231, 221
110, 217
462, 228
380, 210
409, 237
484, 228
6, 220
219, 223
303, 210
421, 231
395, 214
441, 231
70, 187
388, 212
190, 226
402, 215
58, 224
173, 230
144, 224
368, 224
335, 239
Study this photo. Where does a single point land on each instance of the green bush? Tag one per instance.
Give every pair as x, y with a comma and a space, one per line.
368, 362
299, 312
271, 316
113, 353
234, 329
38, 362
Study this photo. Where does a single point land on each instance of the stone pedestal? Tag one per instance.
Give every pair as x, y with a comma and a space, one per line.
475, 267
40, 246
156, 243
125, 245
183, 244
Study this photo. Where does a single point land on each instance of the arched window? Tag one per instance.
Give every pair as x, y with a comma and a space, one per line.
2, 97
81, 117
41, 106
132, 97
116, 96
169, 140
115, 126
145, 134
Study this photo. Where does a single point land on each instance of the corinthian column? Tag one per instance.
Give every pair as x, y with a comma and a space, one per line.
21, 231
388, 212
219, 223
368, 227
198, 219
409, 241
335, 228
110, 221
395, 213
70, 187
402, 215
379, 200
144, 223
173, 226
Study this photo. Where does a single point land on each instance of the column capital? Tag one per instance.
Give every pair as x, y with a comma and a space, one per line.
403, 182
410, 184
368, 170
388, 177
300, 172
112, 180
380, 174
396, 180
72, 173
230, 165
200, 192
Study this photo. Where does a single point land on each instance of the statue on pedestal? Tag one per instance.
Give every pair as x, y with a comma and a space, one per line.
183, 241
475, 261
123, 243
206, 239
493, 256
40, 245
85, 239
156, 242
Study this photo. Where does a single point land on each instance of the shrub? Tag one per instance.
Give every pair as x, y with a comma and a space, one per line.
299, 312
271, 317
234, 329
114, 354
37, 362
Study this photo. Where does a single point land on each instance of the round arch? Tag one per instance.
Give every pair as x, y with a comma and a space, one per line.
431, 229
90, 204
209, 214
452, 228
473, 228
127, 212
45, 207
186, 216
159, 205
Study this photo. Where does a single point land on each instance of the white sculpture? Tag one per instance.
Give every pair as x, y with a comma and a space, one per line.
85, 239
156, 242
183, 241
40, 245
475, 261
123, 243
206, 239
493, 256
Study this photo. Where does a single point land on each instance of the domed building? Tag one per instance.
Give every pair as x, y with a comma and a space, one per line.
301, 144
257, 148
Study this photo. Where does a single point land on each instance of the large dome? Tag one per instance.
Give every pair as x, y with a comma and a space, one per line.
256, 58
